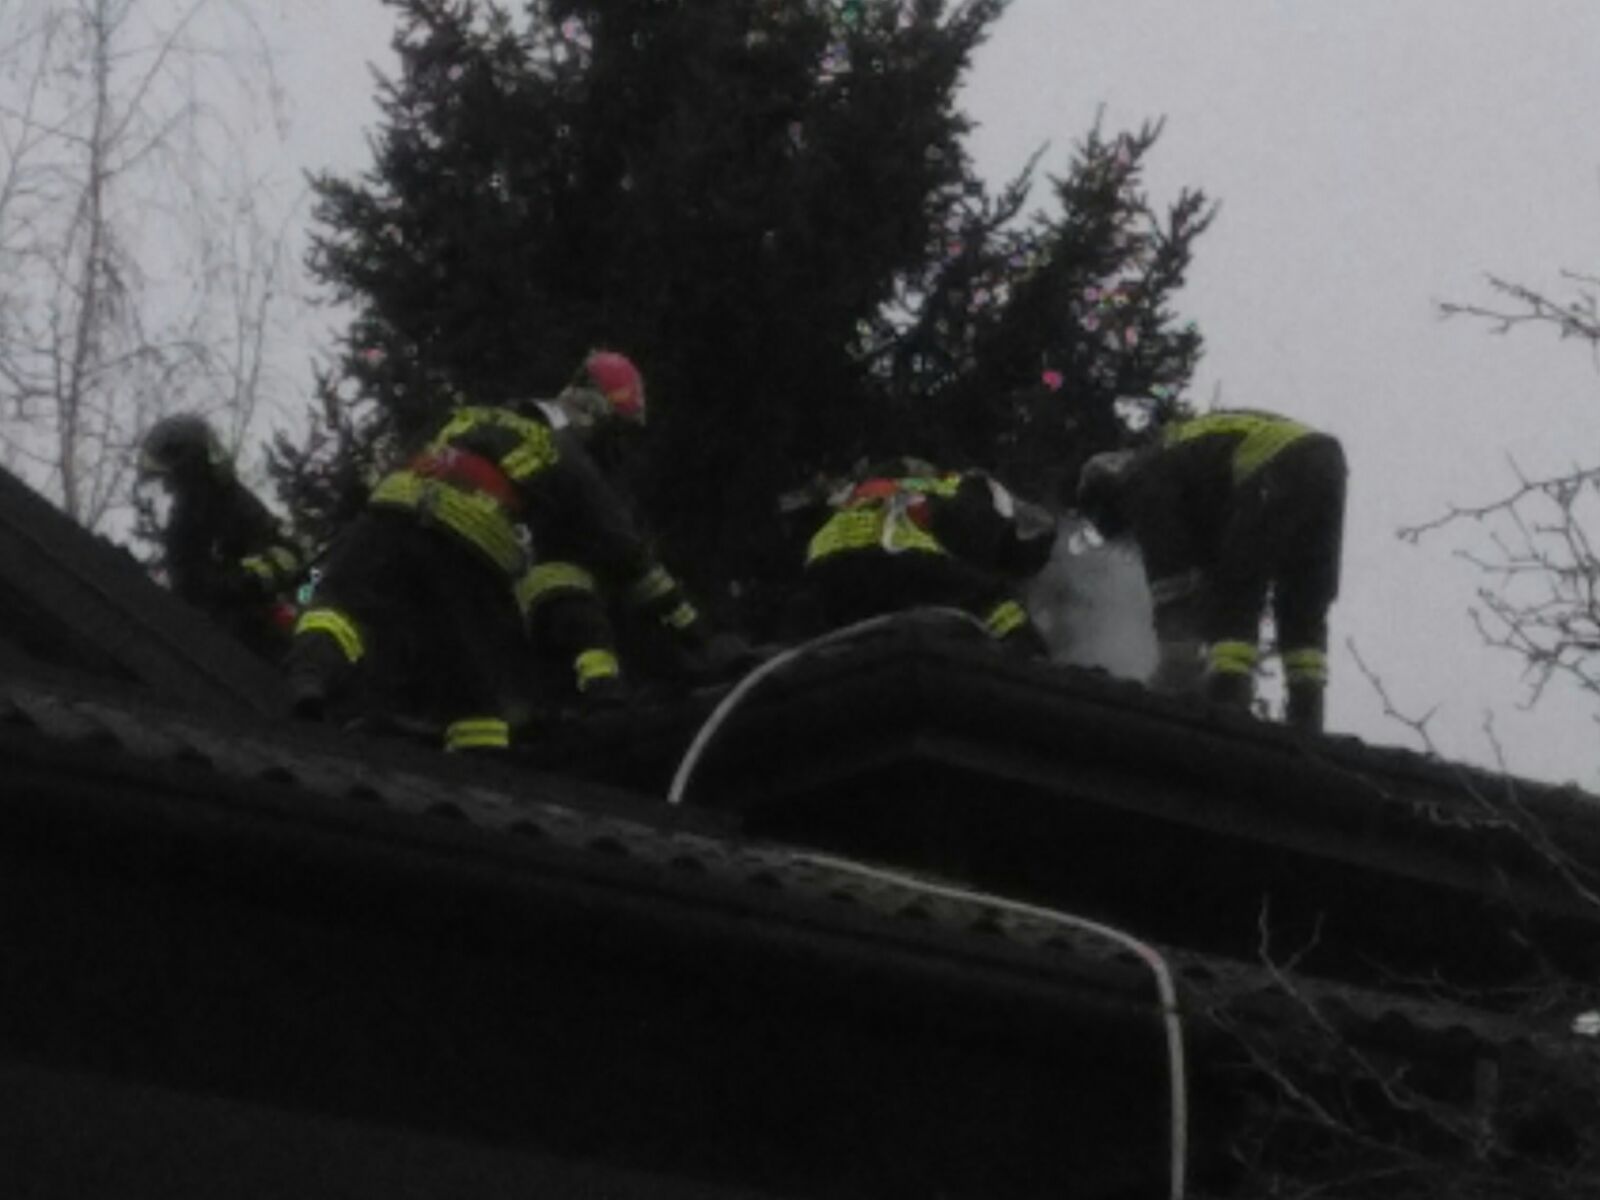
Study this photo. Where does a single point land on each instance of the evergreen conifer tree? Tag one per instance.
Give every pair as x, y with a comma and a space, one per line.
769, 206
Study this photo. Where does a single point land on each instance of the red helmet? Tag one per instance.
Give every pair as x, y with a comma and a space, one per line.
615, 377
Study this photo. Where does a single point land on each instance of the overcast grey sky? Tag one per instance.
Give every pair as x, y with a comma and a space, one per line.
1372, 157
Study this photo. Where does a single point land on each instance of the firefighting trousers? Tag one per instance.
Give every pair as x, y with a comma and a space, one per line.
421, 620
569, 625
1284, 533
851, 585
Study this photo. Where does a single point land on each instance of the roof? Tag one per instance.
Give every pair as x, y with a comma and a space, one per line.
876, 910
920, 744
73, 602
236, 883
282, 785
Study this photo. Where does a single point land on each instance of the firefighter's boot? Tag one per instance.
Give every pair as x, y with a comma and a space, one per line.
1230, 676
326, 648
1306, 672
1303, 709
599, 680
1180, 668
1230, 689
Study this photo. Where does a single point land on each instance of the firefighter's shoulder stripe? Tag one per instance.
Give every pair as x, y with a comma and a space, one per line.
1261, 436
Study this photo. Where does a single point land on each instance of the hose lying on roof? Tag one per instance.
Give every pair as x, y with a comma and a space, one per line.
1166, 993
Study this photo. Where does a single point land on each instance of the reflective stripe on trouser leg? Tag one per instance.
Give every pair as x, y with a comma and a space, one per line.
1232, 658
1306, 666
332, 623
593, 665
1005, 618
477, 733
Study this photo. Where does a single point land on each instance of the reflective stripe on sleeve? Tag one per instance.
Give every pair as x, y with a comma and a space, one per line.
680, 616
1005, 618
655, 584
595, 664
273, 566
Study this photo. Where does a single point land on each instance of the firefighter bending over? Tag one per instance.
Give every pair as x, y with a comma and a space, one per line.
570, 593
1225, 507
224, 551
426, 580
905, 534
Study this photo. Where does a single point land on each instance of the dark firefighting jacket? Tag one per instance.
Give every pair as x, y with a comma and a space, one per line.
1179, 495
510, 486
963, 514
223, 548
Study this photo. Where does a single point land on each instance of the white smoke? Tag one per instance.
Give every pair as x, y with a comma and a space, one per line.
1092, 604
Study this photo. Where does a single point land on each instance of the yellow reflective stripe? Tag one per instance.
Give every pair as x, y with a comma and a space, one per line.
1261, 437
529, 458
945, 485
537, 448
475, 516
337, 626
853, 529
680, 616
1233, 658
655, 584
1306, 666
595, 664
260, 568
860, 528
541, 582
285, 559
1006, 617
477, 733
272, 565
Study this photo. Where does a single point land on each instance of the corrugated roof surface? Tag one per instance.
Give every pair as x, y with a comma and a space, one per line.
105, 615
350, 774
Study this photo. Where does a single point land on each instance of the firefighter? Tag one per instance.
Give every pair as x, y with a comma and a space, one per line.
223, 550
427, 580
568, 596
1224, 508
905, 534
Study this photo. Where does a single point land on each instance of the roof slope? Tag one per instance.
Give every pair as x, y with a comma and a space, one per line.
922, 745
72, 601
365, 931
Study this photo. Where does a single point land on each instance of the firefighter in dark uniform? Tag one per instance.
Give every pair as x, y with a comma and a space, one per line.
1226, 507
426, 581
569, 593
223, 550
904, 534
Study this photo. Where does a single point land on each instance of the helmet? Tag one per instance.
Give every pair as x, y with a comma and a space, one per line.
1100, 490
615, 377
180, 445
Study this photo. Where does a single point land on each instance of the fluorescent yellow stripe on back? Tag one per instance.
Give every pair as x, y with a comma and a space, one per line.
1261, 437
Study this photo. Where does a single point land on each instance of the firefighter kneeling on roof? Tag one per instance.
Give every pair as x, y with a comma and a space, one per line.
904, 534
1223, 508
428, 576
